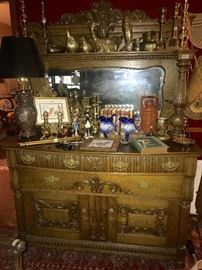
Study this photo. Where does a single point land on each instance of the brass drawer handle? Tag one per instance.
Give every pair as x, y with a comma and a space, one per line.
120, 166
170, 166
51, 179
71, 163
144, 184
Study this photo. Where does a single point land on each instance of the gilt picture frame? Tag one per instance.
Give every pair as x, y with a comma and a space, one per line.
53, 105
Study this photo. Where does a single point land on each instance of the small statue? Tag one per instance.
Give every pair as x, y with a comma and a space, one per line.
87, 127
75, 126
61, 129
86, 46
103, 44
71, 43
128, 32
46, 126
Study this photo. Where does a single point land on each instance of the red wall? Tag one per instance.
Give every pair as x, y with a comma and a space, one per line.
55, 8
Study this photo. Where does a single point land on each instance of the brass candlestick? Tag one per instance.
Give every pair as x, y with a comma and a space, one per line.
184, 34
43, 20
176, 26
23, 18
162, 41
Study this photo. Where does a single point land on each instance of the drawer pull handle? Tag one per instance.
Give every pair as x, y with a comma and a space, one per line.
71, 163
51, 179
144, 184
170, 166
120, 166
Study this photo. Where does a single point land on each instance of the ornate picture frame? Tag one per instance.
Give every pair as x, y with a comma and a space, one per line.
53, 105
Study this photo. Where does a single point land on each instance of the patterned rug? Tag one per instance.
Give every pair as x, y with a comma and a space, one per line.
41, 258
52, 259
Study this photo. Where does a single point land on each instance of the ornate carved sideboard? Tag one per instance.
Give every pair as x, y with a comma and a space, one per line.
111, 201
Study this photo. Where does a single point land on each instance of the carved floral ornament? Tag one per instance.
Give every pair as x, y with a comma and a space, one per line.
97, 185
27, 158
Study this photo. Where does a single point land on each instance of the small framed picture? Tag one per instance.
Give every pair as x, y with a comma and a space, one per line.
101, 144
52, 105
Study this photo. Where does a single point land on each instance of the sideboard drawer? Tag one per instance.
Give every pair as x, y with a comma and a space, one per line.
104, 162
135, 185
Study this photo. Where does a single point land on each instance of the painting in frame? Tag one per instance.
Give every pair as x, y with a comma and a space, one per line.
53, 105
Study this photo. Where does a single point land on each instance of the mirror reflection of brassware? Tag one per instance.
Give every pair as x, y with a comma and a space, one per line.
162, 129
25, 114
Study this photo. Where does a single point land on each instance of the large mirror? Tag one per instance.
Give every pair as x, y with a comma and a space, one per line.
112, 85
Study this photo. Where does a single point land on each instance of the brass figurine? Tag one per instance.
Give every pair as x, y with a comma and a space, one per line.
127, 32
72, 44
103, 44
46, 127
86, 45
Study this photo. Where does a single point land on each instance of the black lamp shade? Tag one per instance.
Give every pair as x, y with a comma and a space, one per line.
19, 58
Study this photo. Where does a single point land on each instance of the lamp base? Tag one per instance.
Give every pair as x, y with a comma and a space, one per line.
25, 115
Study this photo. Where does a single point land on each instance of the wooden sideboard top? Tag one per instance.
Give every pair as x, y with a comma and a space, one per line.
11, 143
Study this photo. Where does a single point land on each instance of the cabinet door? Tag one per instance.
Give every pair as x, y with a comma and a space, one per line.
70, 216
148, 222
51, 214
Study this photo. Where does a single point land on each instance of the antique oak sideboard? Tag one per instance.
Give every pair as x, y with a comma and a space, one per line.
111, 201
118, 201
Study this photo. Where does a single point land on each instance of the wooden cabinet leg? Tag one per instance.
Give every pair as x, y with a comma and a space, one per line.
18, 247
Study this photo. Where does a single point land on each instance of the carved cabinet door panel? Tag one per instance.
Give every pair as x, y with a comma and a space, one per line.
51, 214
146, 222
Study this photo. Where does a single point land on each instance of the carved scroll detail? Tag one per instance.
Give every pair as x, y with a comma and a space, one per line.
97, 185
27, 158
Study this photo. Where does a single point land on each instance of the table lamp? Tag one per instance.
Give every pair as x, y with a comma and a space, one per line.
19, 58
